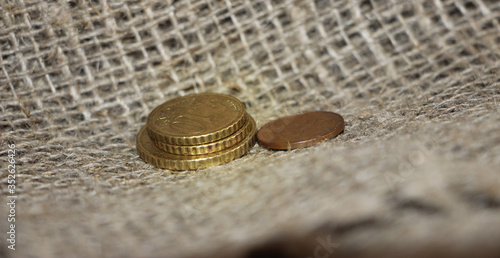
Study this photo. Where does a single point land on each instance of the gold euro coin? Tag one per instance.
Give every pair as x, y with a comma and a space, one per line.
216, 146
155, 156
196, 119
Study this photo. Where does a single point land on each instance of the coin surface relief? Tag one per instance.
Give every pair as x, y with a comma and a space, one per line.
196, 119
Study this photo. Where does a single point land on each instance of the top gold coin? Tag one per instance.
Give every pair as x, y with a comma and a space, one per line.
196, 119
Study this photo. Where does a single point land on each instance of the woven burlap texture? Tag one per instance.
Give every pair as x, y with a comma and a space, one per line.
416, 171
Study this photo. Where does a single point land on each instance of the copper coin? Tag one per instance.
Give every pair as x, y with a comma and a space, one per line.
300, 130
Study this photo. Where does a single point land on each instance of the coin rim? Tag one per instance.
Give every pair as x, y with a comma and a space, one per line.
224, 143
198, 161
159, 136
305, 143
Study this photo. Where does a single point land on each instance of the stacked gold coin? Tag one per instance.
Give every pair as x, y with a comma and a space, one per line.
196, 131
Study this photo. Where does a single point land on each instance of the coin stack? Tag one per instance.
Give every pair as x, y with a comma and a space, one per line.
196, 131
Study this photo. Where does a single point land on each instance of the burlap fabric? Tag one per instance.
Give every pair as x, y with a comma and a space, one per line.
415, 173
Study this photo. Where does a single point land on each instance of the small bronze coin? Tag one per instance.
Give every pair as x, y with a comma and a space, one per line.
300, 130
